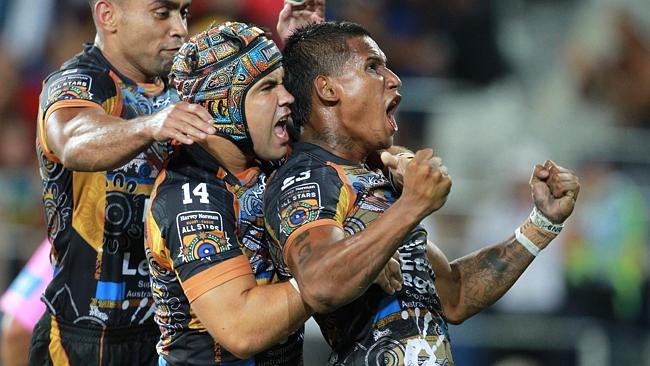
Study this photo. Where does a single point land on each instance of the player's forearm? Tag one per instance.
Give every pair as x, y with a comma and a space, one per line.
278, 312
484, 276
336, 274
102, 142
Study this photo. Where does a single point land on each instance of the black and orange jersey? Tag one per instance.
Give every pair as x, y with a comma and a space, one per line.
204, 228
95, 220
315, 188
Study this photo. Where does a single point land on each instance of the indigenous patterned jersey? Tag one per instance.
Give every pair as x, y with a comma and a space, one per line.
204, 228
95, 219
315, 188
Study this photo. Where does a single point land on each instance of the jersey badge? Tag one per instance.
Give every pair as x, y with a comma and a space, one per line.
299, 206
202, 236
76, 86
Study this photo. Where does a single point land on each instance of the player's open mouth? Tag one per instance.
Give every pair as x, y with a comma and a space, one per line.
280, 129
170, 50
391, 110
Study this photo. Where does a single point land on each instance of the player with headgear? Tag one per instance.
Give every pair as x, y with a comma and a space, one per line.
205, 234
218, 296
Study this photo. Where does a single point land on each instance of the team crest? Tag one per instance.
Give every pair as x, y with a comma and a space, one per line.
76, 86
202, 236
299, 206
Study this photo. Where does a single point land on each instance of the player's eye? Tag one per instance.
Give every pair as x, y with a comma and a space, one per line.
185, 13
162, 13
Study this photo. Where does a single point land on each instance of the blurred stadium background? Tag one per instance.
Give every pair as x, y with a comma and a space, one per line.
494, 86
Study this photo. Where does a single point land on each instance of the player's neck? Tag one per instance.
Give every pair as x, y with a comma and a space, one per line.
120, 63
331, 140
227, 154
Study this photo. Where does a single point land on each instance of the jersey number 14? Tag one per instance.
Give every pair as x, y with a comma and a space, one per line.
201, 191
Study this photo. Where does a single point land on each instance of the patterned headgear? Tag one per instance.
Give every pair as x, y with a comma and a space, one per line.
215, 68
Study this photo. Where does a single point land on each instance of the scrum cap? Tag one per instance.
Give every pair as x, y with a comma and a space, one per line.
217, 67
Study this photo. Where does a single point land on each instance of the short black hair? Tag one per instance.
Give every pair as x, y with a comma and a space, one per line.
313, 50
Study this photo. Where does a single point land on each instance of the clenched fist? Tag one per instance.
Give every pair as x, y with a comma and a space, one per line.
426, 182
555, 190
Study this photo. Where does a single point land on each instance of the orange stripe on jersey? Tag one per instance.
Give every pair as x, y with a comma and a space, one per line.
153, 237
111, 105
289, 243
215, 276
347, 196
89, 194
153, 89
40, 137
72, 103
119, 101
249, 175
57, 353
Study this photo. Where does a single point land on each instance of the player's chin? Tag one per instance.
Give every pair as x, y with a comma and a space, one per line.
165, 66
273, 152
385, 142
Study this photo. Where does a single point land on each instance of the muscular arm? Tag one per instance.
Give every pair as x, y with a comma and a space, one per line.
333, 269
475, 281
247, 319
89, 139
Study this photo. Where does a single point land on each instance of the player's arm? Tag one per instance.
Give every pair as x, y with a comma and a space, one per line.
221, 287
474, 282
247, 319
88, 139
333, 269
14, 342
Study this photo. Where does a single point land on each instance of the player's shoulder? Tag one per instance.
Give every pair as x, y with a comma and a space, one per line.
303, 158
307, 173
176, 195
86, 76
84, 67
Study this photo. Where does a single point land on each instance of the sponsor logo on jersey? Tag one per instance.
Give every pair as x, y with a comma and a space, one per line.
67, 87
201, 235
298, 206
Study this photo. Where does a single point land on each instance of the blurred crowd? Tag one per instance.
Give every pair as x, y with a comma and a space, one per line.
495, 86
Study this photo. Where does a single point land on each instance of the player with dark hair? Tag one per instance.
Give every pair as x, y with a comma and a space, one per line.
105, 125
206, 242
335, 222
105, 121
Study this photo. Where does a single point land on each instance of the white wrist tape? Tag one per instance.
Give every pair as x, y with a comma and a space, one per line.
538, 219
294, 283
529, 245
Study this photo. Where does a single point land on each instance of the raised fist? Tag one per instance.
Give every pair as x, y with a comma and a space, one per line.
426, 182
555, 190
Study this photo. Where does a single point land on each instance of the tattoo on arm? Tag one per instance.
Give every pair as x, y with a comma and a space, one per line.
303, 247
489, 273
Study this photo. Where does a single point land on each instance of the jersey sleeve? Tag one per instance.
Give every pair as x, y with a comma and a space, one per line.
80, 86
201, 237
301, 199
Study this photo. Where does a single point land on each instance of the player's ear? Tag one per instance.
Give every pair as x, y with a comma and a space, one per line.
326, 88
106, 14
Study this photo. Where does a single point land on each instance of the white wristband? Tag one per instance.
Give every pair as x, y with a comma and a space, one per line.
294, 283
538, 219
529, 245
